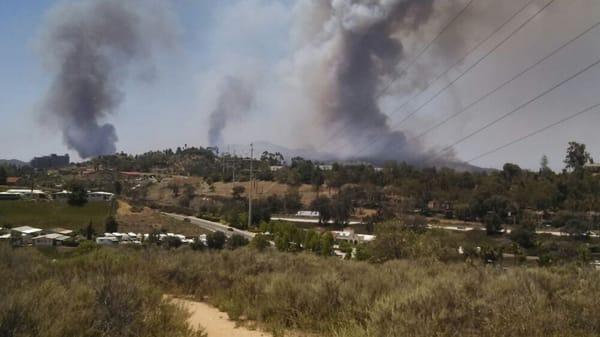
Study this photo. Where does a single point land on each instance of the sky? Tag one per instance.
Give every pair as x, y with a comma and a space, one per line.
257, 40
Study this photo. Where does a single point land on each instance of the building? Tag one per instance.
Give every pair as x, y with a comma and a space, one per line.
9, 196
61, 231
61, 196
594, 168
107, 240
24, 234
12, 181
48, 240
52, 161
29, 193
100, 196
312, 214
325, 167
349, 235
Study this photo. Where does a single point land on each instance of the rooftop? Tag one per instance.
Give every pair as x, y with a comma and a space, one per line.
26, 229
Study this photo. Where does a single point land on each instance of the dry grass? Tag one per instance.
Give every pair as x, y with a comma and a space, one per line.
324, 296
160, 192
149, 220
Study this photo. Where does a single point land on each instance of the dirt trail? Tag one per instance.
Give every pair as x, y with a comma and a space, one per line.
215, 322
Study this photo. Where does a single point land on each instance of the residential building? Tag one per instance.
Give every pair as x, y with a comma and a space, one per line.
53, 239
24, 234
100, 196
52, 161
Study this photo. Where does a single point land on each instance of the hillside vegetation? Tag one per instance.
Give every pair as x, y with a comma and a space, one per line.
325, 296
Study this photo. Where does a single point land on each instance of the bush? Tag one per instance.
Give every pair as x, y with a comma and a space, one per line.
236, 241
111, 225
215, 240
260, 242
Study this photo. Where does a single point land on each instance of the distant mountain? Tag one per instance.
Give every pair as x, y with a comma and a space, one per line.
14, 162
328, 158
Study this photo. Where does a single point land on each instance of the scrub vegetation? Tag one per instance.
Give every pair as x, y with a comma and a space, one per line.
118, 292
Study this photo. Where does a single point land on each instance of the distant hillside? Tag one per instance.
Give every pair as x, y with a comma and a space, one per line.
14, 162
328, 158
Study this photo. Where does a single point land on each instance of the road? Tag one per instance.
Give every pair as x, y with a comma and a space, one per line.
508, 231
304, 220
212, 226
215, 226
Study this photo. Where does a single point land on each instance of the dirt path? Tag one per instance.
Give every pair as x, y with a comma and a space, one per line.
215, 322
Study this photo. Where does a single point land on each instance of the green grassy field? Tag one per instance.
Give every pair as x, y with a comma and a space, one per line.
52, 214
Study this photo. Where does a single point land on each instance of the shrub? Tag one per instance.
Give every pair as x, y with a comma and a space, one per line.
216, 240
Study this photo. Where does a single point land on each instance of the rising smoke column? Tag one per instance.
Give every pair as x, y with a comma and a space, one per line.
235, 98
90, 45
347, 51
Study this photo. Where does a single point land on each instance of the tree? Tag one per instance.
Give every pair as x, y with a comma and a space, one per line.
174, 188
3, 175
524, 237
78, 196
237, 191
89, 231
327, 244
236, 241
510, 172
577, 156
493, 223
118, 187
544, 168
317, 179
259, 242
322, 205
111, 225
197, 245
215, 240
341, 208
189, 193
397, 242
173, 242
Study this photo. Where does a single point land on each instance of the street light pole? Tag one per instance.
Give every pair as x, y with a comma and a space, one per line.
250, 187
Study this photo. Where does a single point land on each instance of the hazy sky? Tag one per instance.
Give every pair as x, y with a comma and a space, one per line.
255, 39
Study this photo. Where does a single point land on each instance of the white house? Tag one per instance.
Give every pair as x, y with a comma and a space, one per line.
28, 193
61, 231
25, 233
312, 214
100, 196
349, 235
53, 239
107, 240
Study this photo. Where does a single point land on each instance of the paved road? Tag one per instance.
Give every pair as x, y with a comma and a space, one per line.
508, 231
212, 226
304, 220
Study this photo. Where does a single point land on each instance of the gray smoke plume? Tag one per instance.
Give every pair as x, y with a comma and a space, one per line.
90, 45
235, 98
347, 51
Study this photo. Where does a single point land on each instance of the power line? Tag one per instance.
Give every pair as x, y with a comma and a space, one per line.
413, 61
371, 143
475, 64
464, 57
520, 107
534, 133
442, 31
517, 76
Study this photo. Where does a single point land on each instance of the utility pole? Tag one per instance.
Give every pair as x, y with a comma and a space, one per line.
250, 187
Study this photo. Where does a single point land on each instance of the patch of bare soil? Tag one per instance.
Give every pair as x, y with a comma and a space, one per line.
214, 322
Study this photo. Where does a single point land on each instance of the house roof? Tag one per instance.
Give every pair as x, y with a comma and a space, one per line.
26, 229
53, 236
12, 180
62, 231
